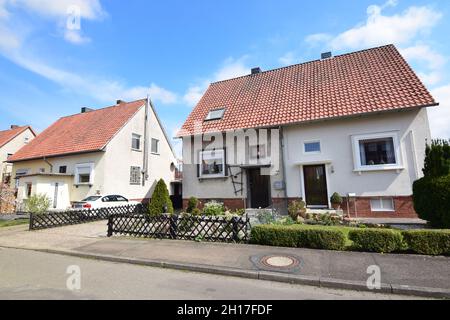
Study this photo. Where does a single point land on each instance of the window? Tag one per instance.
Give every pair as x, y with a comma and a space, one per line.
21, 172
136, 142
382, 204
155, 146
135, 175
41, 170
257, 152
376, 152
8, 155
212, 164
109, 199
216, 114
312, 147
63, 169
26, 140
28, 190
84, 173
120, 198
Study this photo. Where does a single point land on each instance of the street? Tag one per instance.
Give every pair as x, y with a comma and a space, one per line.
35, 275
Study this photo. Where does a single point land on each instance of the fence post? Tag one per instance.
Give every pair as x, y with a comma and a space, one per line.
31, 221
234, 221
110, 226
173, 226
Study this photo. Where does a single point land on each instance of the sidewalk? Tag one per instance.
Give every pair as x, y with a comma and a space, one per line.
403, 274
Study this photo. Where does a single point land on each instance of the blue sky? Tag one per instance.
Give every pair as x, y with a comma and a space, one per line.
173, 49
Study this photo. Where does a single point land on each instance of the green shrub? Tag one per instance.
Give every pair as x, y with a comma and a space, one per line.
377, 240
297, 209
298, 236
430, 242
160, 202
437, 159
196, 212
431, 197
192, 204
213, 208
336, 198
37, 204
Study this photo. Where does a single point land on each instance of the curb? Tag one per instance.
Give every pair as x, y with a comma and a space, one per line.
331, 283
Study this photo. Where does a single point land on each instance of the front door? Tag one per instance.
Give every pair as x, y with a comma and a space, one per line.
258, 189
316, 193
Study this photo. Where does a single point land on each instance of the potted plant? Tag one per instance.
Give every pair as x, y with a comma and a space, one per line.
297, 210
336, 201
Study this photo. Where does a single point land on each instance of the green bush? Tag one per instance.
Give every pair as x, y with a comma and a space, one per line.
430, 242
160, 200
298, 236
192, 204
213, 208
297, 209
377, 240
431, 197
37, 204
196, 212
336, 198
437, 159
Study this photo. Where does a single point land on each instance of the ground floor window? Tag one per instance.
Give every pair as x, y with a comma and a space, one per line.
28, 190
135, 175
84, 173
382, 204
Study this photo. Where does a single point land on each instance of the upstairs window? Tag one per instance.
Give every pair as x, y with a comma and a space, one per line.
63, 169
258, 152
216, 114
136, 142
311, 147
212, 164
155, 146
84, 173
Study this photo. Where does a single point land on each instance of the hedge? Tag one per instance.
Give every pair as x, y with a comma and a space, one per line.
432, 200
299, 236
429, 242
377, 240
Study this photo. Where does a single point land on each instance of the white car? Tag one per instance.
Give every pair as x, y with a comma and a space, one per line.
99, 201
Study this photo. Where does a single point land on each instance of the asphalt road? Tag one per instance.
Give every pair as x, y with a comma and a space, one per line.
36, 275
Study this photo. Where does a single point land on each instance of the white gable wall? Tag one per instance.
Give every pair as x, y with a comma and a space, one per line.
12, 147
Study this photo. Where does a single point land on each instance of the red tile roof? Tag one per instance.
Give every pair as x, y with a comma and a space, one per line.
80, 133
367, 81
8, 135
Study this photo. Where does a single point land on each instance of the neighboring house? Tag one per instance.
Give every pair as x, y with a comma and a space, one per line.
113, 151
355, 124
10, 142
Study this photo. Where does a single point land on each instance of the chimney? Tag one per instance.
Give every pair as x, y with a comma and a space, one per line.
120, 102
326, 55
256, 70
86, 109
14, 126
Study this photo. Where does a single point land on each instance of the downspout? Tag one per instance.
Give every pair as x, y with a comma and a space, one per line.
49, 164
283, 168
145, 153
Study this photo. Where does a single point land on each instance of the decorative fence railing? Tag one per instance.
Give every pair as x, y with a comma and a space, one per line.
215, 228
72, 217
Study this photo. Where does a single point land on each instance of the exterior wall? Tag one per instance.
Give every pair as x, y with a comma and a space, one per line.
120, 157
75, 193
12, 147
335, 136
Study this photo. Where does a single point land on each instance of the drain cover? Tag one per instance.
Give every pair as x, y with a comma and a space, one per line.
282, 262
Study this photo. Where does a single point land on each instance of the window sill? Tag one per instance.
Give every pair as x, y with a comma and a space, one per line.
378, 168
84, 185
136, 150
155, 153
213, 177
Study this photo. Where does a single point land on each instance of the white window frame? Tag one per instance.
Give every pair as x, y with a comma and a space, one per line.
91, 176
382, 209
136, 182
378, 167
202, 154
312, 152
136, 136
157, 146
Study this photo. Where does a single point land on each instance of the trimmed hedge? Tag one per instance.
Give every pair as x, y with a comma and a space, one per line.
298, 236
377, 240
432, 200
430, 242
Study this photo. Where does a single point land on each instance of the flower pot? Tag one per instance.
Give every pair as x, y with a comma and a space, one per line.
336, 206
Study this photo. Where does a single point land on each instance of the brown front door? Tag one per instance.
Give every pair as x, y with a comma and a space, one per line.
258, 189
315, 185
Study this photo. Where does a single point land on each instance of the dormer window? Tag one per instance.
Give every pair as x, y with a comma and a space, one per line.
216, 114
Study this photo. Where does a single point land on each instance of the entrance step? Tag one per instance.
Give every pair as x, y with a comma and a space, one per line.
339, 212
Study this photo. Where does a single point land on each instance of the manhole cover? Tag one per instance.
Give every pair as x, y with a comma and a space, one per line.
280, 262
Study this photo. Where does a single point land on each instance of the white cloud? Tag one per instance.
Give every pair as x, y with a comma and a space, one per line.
313, 39
231, 68
75, 37
440, 116
287, 59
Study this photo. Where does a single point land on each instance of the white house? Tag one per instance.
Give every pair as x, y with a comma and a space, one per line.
10, 142
355, 124
119, 150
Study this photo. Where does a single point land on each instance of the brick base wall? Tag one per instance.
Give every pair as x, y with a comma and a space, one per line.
231, 204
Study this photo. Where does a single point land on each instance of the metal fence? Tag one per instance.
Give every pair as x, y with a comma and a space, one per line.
215, 228
72, 217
